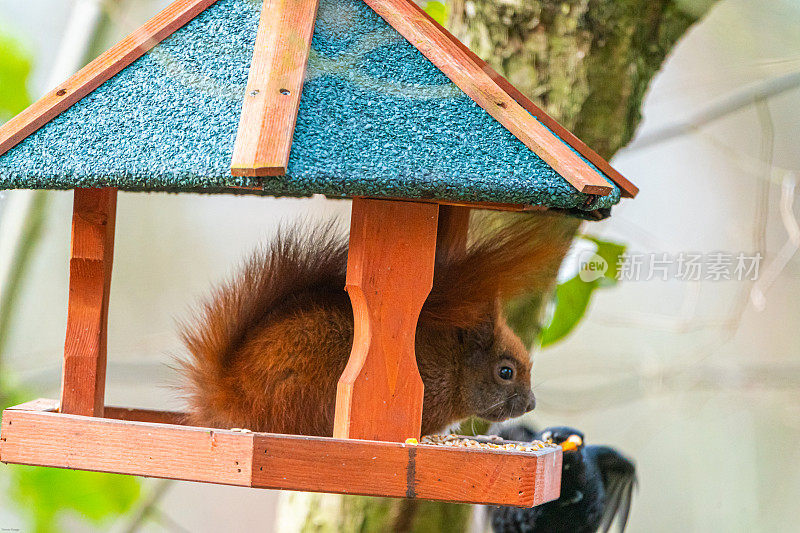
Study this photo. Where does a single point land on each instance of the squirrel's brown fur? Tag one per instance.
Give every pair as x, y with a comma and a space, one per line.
268, 348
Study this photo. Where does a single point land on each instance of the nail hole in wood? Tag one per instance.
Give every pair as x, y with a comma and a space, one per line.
61, 92
502, 104
254, 93
286, 92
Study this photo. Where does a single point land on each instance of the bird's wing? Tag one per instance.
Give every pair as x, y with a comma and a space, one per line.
619, 480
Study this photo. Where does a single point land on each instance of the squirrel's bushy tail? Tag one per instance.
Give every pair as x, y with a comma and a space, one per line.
301, 259
508, 254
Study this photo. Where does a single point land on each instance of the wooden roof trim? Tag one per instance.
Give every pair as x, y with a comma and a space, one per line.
274, 86
106, 66
442, 49
629, 190
436, 31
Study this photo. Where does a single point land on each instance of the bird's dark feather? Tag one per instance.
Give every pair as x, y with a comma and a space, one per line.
619, 478
604, 478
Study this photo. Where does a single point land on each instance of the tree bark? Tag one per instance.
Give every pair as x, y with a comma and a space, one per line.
588, 63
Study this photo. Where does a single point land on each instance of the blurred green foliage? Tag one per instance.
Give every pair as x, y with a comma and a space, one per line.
46, 493
438, 10
43, 495
15, 67
573, 296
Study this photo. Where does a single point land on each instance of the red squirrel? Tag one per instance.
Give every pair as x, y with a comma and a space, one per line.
267, 349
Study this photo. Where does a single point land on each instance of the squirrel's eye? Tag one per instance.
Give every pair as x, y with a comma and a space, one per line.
505, 372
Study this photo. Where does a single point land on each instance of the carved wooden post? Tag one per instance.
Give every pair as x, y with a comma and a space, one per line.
389, 276
83, 379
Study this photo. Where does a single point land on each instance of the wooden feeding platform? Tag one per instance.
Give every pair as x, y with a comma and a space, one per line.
154, 444
219, 96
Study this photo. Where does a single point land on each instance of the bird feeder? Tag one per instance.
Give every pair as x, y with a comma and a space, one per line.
364, 99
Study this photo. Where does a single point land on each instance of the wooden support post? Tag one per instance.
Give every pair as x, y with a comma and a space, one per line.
83, 379
389, 276
274, 87
451, 238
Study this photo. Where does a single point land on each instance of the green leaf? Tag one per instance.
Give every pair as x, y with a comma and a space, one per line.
15, 67
573, 296
438, 10
572, 299
46, 492
473, 426
610, 252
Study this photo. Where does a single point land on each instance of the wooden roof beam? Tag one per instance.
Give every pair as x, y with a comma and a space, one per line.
274, 87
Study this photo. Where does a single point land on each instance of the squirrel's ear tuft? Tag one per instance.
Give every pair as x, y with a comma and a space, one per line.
508, 255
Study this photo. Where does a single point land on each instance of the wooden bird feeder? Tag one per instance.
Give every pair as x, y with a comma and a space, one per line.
366, 99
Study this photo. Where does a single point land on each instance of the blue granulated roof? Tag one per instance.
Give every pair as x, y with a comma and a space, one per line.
376, 119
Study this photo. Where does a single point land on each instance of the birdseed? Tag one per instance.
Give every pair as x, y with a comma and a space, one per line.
490, 442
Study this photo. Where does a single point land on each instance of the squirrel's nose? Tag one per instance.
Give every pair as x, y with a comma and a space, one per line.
531, 403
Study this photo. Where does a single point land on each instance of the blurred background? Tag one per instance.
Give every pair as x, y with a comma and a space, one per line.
697, 380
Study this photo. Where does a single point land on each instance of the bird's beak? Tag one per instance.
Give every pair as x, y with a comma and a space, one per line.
573, 442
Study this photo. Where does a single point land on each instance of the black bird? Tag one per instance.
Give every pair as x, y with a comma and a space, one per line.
596, 487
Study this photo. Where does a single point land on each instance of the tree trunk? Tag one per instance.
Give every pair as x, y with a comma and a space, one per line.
588, 63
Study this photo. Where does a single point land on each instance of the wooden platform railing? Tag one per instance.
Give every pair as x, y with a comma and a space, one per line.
393, 246
36, 434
